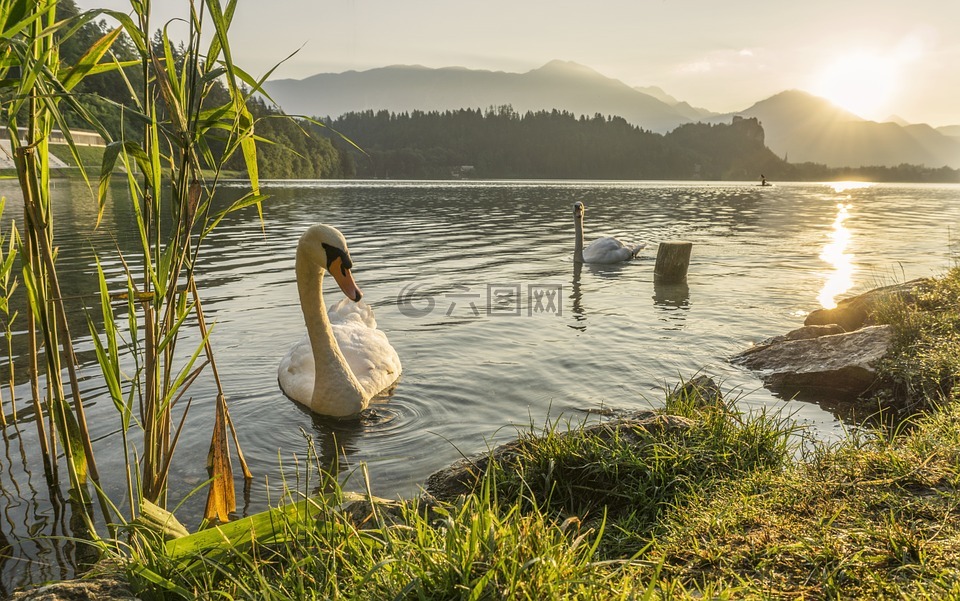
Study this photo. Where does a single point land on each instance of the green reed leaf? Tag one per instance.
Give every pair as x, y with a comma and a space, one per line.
91, 60
16, 17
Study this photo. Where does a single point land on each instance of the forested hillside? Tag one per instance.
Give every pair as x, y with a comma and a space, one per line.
501, 143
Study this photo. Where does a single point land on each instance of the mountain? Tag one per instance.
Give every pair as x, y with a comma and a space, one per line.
806, 128
798, 126
557, 85
692, 112
950, 130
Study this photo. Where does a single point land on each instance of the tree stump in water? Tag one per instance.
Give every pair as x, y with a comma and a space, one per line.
673, 259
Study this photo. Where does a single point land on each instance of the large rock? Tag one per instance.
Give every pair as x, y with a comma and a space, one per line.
843, 363
806, 333
101, 588
855, 312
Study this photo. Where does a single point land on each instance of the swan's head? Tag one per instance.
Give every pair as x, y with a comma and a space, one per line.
325, 246
578, 209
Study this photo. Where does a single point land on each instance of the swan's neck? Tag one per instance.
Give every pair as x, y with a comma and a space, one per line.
335, 388
578, 242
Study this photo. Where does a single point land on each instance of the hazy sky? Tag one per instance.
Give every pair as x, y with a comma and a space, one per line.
875, 57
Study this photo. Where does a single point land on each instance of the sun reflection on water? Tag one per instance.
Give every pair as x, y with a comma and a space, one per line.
841, 279
840, 187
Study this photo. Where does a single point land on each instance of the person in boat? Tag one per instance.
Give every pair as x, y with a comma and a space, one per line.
763, 180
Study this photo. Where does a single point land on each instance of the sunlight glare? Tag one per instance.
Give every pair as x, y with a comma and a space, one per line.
841, 279
840, 187
861, 83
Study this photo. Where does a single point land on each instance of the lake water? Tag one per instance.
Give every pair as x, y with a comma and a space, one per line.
497, 328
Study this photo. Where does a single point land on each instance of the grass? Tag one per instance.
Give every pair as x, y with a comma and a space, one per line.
873, 517
477, 548
637, 472
923, 366
711, 505
91, 156
699, 500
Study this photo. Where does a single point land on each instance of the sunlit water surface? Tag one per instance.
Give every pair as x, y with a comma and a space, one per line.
497, 328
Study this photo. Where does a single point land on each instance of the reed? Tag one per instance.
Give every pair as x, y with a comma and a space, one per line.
8, 285
35, 87
192, 104
192, 95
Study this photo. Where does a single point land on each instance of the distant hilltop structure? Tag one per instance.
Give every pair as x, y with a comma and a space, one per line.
751, 126
80, 138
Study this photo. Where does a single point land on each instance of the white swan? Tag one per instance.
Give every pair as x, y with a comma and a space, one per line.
353, 359
602, 250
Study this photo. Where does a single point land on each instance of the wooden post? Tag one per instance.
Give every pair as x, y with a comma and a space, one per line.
673, 258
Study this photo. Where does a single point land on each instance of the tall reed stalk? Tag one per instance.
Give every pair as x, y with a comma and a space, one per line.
8, 285
182, 115
35, 84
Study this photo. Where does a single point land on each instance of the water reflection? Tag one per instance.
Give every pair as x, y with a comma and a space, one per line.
834, 253
335, 441
671, 296
576, 296
840, 187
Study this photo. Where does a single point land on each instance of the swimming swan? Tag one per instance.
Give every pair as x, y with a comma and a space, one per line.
352, 357
602, 250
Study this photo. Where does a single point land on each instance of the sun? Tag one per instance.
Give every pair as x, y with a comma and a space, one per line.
861, 82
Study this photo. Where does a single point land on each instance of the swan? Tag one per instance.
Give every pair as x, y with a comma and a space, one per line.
353, 359
602, 250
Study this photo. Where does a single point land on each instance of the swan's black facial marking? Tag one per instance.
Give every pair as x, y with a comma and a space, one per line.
334, 253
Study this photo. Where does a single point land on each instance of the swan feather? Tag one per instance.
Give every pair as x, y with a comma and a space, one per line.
610, 250
370, 356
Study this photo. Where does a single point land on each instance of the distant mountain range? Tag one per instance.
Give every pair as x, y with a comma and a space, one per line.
798, 126
801, 128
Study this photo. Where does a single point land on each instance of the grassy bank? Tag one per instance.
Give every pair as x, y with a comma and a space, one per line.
922, 368
709, 503
697, 501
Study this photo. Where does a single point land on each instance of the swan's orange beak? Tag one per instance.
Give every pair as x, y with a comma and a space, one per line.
345, 280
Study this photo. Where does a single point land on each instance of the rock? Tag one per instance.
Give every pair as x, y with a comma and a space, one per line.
804, 333
843, 363
807, 332
703, 390
100, 588
361, 511
855, 312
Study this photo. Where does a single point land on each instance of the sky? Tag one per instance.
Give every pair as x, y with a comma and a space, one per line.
876, 58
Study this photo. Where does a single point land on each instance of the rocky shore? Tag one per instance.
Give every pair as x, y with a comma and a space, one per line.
836, 352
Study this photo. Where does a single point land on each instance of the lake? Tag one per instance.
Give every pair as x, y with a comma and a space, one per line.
497, 328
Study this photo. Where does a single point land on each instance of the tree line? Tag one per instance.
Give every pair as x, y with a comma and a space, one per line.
501, 143
554, 144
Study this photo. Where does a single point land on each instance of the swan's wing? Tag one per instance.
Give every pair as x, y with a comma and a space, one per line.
346, 311
371, 357
296, 372
604, 250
